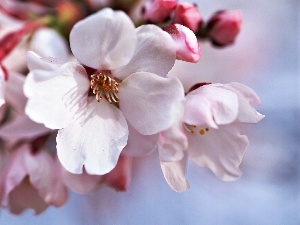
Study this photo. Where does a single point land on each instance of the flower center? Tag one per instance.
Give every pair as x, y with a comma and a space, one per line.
104, 85
192, 128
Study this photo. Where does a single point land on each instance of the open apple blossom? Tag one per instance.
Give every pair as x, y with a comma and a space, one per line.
96, 95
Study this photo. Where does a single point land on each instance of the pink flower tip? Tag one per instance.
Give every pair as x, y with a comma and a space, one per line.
157, 11
224, 26
120, 177
187, 46
187, 14
4, 72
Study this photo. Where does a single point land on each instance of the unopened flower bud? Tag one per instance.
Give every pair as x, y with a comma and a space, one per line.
223, 27
157, 11
188, 15
187, 46
12, 39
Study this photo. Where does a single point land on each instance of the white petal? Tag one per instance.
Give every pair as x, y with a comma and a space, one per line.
198, 111
154, 53
174, 173
104, 40
36, 62
139, 145
151, 103
54, 101
95, 139
247, 100
222, 104
172, 143
221, 150
22, 128
48, 43
81, 183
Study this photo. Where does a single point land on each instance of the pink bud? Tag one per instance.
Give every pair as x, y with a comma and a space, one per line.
157, 11
12, 39
119, 178
187, 14
224, 26
187, 47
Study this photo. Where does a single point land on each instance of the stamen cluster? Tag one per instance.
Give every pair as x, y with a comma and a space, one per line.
104, 85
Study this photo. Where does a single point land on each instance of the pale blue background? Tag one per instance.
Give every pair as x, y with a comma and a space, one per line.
265, 57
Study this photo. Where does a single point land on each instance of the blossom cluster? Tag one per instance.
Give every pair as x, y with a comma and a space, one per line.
76, 112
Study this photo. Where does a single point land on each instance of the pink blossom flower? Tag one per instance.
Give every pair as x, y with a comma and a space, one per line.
209, 133
187, 46
157, 11
31, 180
224, 26
187, 14
128, 87
30, 177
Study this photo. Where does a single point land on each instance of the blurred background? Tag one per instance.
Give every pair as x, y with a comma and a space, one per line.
265, 57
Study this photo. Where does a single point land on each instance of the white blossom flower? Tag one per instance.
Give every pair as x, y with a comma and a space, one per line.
126, 87
209, 133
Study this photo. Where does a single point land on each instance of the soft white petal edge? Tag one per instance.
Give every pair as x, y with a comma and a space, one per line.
139, 145
221, 150
54, 101
172, 143
154, 53
105, 40
94, 139
151, 103
174, 173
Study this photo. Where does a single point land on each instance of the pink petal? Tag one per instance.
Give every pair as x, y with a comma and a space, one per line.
139, 145
24, 196
151, 103
157, 11
187, 47
221, 150
174, 173
54, 101
104, 40
13, 174
188, 15
172, 143
119, 178
43, 177
22, 128
95, 139
44, 174
81, 183
154, 53
14, 91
